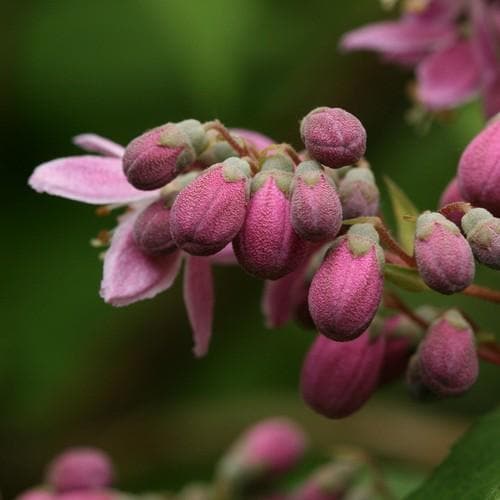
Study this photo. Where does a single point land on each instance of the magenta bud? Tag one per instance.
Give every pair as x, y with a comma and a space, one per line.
268, 449
333, 136
444, 258
447, 360
152, 229
452, 194
483, 234
400, 334
156, 157
267, 245
208, 213
80, 469
359, 194
479, 169
316, 210
339, 377
347, 288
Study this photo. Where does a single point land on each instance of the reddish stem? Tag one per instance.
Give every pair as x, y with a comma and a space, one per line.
482, 292
393, 245
489, 352
393, 301
224, 132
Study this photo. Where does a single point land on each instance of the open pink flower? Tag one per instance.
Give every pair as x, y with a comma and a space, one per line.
130, 274
451, 66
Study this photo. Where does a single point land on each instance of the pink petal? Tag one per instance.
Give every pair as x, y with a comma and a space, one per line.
399, 39
199, 300
260, 141
94, 143
449, 77
91, 179
130, 275
225, 257
491, 95
281, 296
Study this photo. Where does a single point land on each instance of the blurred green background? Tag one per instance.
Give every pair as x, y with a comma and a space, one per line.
76, 371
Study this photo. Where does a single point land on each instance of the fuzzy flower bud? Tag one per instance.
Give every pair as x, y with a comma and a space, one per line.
208, 213
446, 363
444, 258
316, 209
80, 469
339, 377
347, 288
152, 229
333, 136
483, 234
156, 157
267, 245
268, 449
479, 169
359, 194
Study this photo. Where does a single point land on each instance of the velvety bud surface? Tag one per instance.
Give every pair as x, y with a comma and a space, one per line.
267, 245
316, 209
347, 288
152, 229
208, 213
447, 357
359, 194
479, 169
339, 377
483, 235
444, 258
157, 156
80, 469
333, 136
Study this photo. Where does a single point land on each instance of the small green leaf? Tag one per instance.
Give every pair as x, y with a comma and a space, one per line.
472, 469
404, 277
405, 214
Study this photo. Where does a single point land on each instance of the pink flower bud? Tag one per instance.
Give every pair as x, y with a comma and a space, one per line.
479, 169
483, 234
333, 136
444, 258
208, 213
347, 288
447, 360
268, 449
359, 194
156, 157
80, 469
339, 377
267, 245
399, 333
152, 229
316, 209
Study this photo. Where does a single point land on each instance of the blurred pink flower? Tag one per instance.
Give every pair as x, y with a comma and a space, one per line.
452, 44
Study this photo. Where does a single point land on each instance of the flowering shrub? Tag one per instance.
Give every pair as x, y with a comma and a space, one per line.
208, 195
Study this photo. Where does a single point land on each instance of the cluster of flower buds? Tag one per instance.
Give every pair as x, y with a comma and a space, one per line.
308, 224
253, 468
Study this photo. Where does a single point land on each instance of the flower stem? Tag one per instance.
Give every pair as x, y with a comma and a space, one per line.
482, 292
393, 301
392, 245
224, 132
489, 352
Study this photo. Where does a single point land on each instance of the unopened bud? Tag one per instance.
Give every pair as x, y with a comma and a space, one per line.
359, 193
333, 136
444, 258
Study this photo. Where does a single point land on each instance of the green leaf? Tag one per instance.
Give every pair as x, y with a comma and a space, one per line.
405, 214
472, 469
405, 277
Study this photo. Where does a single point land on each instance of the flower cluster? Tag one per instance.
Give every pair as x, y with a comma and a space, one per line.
453, 45
309, 225
252, 468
